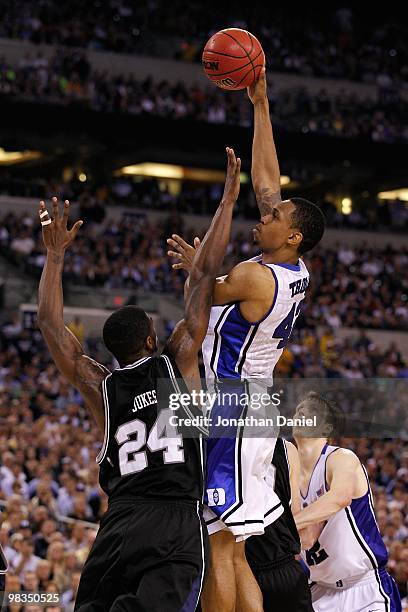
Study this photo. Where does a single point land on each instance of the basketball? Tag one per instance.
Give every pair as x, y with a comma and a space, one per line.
233, 59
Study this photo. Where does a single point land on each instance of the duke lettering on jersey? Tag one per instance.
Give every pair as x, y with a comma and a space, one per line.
350, 544
235, 348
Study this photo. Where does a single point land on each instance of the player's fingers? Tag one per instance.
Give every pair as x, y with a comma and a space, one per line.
197, 242
44, 215
178, 266
174, 254
238, 168
175, 245
181, 243
55, 208
75, 228
65, 214
231, 157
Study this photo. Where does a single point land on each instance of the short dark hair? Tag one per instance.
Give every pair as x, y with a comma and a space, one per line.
125, 331
310, 220
334, 414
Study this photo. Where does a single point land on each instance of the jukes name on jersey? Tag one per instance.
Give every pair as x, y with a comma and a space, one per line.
144, 400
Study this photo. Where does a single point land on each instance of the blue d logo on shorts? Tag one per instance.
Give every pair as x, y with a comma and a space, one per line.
216, 497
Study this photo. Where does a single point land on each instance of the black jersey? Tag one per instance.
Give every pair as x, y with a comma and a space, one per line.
281, 538
144, 453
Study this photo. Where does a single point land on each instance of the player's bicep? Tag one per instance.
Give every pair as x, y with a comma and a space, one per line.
81, 371
342, 475
238, 285
64, 347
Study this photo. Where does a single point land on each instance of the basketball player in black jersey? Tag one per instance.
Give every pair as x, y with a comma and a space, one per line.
149, 554
272, 555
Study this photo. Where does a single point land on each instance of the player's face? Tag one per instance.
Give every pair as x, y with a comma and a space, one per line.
307, 410
274, 229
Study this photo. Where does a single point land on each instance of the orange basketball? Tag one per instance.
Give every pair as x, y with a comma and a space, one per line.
233, 58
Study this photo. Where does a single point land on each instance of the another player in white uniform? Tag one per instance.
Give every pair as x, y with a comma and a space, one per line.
254, 310
347, 560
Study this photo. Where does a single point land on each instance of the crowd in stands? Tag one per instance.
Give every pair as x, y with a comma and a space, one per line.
359, 287
69, 79
48, 443
342, 42
200, 199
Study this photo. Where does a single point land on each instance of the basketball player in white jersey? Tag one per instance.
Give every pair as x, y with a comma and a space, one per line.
348, 557
254, 310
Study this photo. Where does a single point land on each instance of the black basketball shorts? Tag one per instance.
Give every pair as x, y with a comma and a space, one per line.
148, 555
285, 587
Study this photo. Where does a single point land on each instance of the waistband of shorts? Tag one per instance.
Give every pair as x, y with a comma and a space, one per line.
271, 565
346, 583
229, 383
156, 501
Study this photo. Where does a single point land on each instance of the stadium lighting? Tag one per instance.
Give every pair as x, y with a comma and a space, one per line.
173, 171
346, 206
395, 194
82, 177
7, 158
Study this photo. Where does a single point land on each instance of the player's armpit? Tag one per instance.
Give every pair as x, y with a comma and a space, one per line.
85, 374
244, 282
266, 198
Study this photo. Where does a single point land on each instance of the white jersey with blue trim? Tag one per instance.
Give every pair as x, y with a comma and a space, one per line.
235, 348
350, 544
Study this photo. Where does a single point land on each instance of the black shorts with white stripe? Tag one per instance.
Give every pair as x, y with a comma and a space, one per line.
148, 555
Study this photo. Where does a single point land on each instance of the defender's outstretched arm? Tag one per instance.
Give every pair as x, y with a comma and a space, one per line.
81, 371
188, 335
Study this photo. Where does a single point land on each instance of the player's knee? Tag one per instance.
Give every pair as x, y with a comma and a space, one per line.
222, 545
239, 554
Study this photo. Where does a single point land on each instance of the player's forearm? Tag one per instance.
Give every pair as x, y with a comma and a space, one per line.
50, 295
265, 170
322, 509
210, 255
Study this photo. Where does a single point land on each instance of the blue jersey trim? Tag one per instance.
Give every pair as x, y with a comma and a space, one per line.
233, 334
294, 267
365, 520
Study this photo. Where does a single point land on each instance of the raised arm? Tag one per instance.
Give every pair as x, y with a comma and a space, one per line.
188, 335
265, 171
81, 371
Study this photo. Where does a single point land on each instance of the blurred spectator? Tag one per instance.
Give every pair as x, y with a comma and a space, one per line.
350, 287
57, 82
336, 42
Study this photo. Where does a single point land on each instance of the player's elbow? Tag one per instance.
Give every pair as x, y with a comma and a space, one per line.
41, 319
343, 498
202, 271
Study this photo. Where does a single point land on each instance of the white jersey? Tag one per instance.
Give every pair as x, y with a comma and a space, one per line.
350, 544
235, 348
